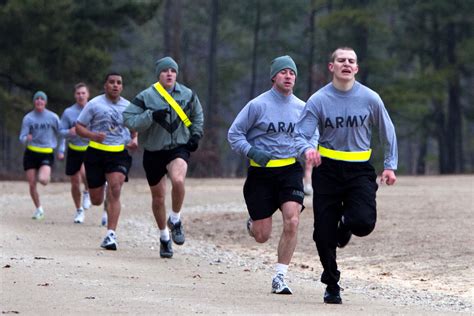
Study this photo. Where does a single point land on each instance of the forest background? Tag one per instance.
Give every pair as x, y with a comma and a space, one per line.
418, 55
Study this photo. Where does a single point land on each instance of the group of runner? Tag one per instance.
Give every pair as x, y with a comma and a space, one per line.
100, 132
332, 132
276, 130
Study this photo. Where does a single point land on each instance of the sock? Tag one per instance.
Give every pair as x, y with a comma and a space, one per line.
110, 232
81, 209
40, 209
174, 217
281, 268
164, 234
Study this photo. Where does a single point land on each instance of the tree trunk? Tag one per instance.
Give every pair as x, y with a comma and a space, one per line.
242, 166
421, 161
211, 87
175, 18
309, 87
167, 12
256, 32
455, 126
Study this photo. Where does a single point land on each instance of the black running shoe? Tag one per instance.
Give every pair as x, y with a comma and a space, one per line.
166, 250
343, 235
332, 295
177, 232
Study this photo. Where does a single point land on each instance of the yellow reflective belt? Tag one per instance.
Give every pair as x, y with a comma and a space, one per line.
345, 155
275, 162
77, 148
159, 88
41, 150
111, 148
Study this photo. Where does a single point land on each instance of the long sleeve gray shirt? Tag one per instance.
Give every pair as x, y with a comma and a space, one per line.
345, 120
102, 115
68, 120
43, 126
267, 123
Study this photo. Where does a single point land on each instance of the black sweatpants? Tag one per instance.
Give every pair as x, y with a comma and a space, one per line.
341, 189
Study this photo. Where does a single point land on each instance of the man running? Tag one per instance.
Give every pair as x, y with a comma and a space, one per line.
107, 158
39, 132
169, 119
262, 131
76, 149
344, 182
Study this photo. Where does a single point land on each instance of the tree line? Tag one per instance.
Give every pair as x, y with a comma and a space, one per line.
417, 54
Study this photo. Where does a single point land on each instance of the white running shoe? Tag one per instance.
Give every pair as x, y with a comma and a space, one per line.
308, 189
79, 218
38, 215
104, 219
249, 228
279, 286
86, 200
109, 242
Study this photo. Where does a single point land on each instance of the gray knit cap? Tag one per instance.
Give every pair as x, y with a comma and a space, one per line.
281, 63
165, 63
40, 94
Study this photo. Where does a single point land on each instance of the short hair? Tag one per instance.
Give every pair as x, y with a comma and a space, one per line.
80, 85
113, 73
333, 55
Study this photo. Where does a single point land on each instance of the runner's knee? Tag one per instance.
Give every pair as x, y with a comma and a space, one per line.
361, 227
290, 225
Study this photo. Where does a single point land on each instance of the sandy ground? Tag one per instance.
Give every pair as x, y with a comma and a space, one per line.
419, 259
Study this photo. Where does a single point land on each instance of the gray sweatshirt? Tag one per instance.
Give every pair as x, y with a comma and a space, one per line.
267, 123
345, 121
102, 115
43, 126
68, 120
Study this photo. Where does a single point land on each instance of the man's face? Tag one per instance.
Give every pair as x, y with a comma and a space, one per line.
81, 95
40, 104
284, 81
113, 86
167, 78
344, 67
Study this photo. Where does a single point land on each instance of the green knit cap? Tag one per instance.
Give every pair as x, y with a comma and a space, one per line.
281, 63
40, 94
165, 63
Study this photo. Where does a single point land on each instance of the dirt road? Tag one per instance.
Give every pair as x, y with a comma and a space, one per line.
417, 261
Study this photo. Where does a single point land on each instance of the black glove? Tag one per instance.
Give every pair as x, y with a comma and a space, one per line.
259, 156
193, 143
160, 115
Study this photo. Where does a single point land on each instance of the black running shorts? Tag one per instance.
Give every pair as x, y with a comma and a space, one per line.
155, 162
74, 161
266, 189
34, 160
98, 163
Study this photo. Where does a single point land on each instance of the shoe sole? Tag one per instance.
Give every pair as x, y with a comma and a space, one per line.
78, 222
38, 218
166, 256
110, 247
178, 243
335, 301
284, 291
